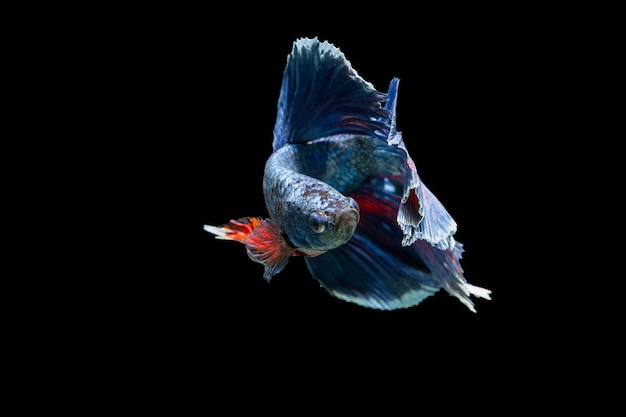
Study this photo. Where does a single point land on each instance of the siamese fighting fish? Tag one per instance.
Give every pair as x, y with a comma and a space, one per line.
343, 193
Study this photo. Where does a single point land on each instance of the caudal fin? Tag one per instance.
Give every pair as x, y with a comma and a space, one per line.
462, 290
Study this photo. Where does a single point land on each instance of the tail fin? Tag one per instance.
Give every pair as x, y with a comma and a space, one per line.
462, 290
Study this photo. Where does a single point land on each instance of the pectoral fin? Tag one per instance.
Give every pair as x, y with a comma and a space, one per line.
263, 240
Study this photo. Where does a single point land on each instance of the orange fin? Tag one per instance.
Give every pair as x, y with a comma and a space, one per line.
266, 245
264, 242
237, 230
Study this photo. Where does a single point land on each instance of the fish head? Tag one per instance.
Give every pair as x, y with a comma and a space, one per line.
323, 221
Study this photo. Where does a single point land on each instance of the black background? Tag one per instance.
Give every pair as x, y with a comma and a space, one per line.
185, 134
141, 123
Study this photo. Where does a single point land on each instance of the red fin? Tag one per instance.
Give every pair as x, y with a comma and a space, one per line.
264, 242
267, 246
237, 230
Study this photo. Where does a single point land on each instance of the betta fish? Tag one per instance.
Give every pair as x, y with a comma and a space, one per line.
343, 193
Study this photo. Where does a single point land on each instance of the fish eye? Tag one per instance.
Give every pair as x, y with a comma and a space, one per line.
318, 221
354, 204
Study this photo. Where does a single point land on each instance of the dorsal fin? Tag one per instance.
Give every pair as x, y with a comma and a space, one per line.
322, 95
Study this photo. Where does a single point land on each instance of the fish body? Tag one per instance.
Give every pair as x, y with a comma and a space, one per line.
342, 191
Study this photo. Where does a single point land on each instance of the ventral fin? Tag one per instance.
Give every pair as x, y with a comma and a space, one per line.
364, 271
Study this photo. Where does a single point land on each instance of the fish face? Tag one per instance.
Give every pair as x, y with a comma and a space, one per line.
345, 221
320, 229
339, 225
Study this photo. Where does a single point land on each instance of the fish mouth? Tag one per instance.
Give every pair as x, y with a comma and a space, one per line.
345, 223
